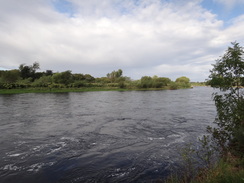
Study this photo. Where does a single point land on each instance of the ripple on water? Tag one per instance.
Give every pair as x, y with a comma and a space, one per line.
38, 166
32, 168
98, 136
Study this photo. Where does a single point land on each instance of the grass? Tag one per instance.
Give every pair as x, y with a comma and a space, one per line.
198, 83
54, 90
66, 90
224, 171
230, 171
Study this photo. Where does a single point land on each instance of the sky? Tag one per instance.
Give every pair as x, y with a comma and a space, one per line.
167, 38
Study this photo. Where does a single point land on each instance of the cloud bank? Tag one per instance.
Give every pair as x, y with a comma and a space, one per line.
141, 37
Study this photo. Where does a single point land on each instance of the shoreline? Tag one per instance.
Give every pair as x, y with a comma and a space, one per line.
69, 90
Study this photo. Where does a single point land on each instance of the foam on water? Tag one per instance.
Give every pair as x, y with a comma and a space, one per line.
158, 138
57, 147
12, 167
98, 136
14, 155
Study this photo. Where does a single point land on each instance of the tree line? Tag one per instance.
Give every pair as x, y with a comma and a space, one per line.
28, 76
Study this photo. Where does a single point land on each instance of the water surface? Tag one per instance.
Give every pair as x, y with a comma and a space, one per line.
110, 136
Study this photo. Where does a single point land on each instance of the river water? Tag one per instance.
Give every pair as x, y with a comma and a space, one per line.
110, 136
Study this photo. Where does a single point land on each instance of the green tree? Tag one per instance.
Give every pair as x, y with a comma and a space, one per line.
182, 82
25, 71
63, 77
10, 76
35, 66
89, 78
113, 76
79, 77
159, 82
49, 73
146, 82
227, 75
119, 73
102, 80
183, 79
29, 71
43, 81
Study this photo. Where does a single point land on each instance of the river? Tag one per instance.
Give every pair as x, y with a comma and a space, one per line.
110, 136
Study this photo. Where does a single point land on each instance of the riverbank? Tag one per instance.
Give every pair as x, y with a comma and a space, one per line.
54, 90
83, 89
228, 169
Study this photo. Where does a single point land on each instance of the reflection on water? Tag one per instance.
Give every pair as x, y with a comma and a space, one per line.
99, 136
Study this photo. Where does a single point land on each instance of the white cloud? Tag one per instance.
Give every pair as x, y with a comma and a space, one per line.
144, 38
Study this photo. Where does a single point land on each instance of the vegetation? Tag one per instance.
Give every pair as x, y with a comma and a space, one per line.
224, 171
198, 84
26, 79
220, 158
228, 76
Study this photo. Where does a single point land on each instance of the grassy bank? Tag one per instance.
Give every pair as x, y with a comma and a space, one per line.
54, 90
230, 170
198, 83
66, 90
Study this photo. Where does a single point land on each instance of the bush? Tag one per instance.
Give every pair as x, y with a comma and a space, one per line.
173, 86
122, 84
113, 85
78, 84
57, 85
229, 102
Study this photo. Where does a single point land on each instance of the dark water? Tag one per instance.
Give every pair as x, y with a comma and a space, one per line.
111, 136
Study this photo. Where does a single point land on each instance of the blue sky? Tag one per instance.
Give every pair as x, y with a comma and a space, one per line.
225, 10
168, 38
64, 6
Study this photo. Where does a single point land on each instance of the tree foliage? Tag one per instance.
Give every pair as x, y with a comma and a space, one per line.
63, 77
227, 75
27, 76
183, 79
9, 76
229, 70
146, 82
154, 82
115, 75
181, 82
29, 71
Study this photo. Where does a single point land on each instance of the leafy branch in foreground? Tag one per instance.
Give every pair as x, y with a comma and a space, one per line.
225, 141
228, 75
